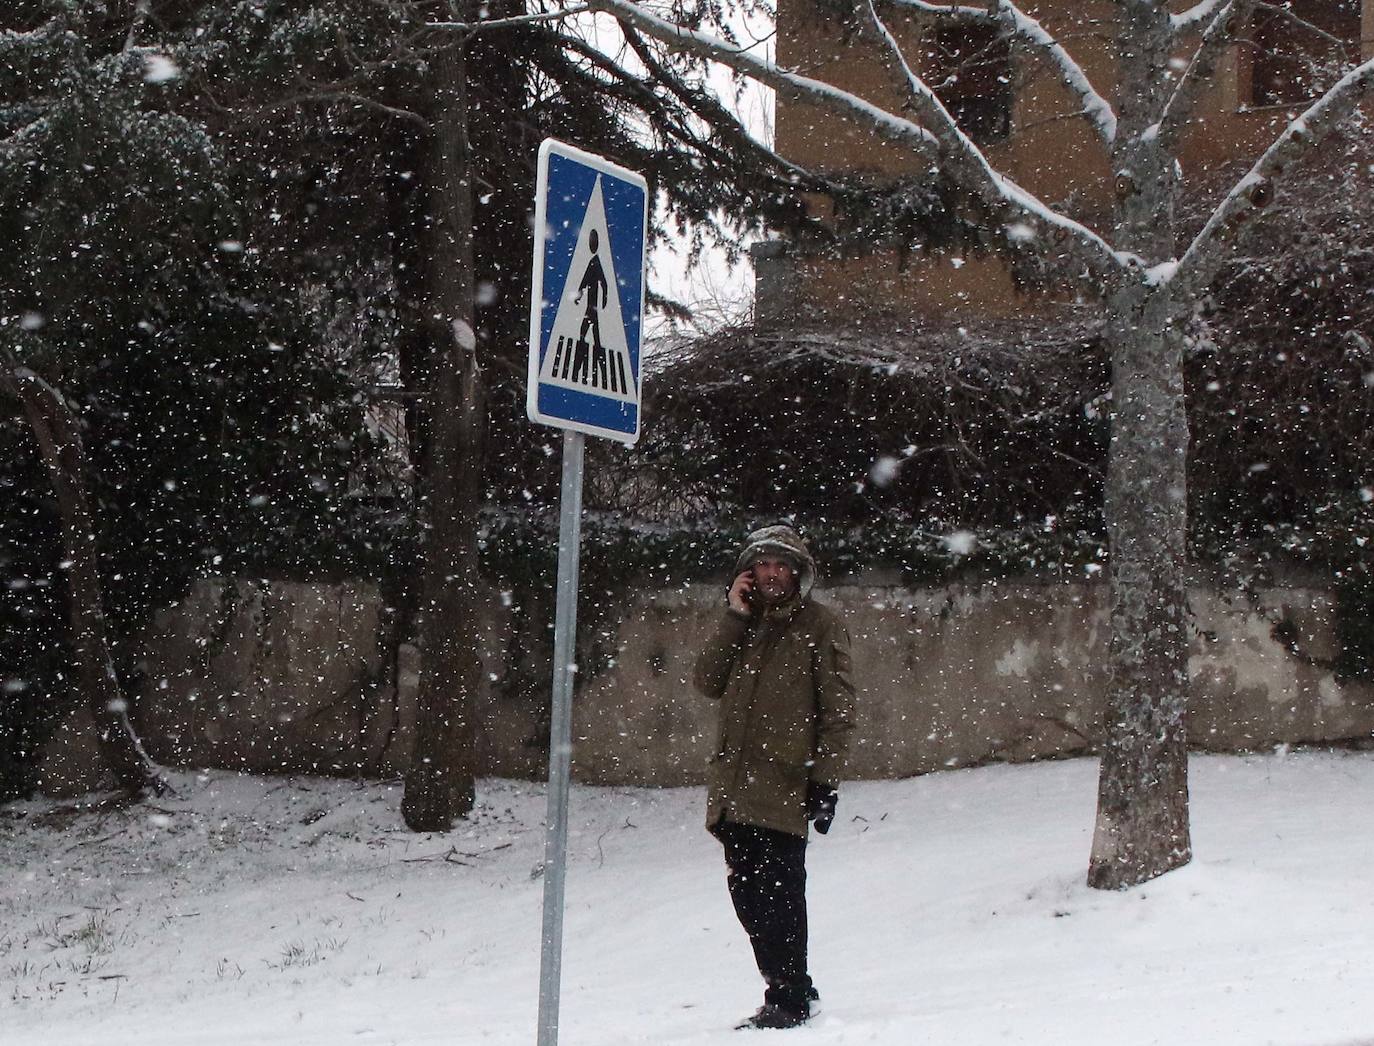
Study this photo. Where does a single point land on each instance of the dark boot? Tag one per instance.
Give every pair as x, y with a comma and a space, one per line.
770, 1015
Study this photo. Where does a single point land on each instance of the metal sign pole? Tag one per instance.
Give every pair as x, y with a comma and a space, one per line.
560, 736
590, 221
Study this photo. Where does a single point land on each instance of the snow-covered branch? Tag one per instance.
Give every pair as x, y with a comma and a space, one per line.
1018, 23
969, 166
721, 121
513, 20
1223, 20
1226, 17
940, 141
788, 84
1199, 14
720, 124
1256, 189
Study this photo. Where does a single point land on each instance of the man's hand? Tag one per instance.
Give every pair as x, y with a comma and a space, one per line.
820, 804
741, 592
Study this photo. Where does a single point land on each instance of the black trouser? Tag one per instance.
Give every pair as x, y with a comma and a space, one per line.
767, 880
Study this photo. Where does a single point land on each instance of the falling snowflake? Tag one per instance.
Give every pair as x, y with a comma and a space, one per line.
884, 471
464, 335
960, 542
159, 69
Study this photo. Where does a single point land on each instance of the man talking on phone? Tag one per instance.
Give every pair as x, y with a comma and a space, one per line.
779, 665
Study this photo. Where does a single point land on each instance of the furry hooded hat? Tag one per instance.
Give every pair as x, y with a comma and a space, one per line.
782, 541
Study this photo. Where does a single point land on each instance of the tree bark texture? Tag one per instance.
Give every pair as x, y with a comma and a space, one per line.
1142, 806
440, 786
1142, 809
59, 440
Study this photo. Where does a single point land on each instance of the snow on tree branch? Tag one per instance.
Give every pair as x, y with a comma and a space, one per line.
1018, 23
1256, 189
26, 136
724, 122
970, 166
789, 85
513, 20
1220, 32
48, 31
942, 142
1197, 15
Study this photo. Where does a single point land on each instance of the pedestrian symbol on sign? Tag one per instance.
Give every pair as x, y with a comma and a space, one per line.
593, 288
587, 294
588, 338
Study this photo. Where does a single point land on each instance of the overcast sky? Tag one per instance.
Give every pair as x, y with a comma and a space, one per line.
720, 293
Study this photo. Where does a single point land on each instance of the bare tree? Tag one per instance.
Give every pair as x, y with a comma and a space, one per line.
1147, 287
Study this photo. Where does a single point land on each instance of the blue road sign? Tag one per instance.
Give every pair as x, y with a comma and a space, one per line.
587, 305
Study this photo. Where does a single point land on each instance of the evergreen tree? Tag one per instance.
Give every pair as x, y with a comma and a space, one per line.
219, 433
232, 219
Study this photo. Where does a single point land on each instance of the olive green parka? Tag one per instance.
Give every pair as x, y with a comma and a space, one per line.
782, 677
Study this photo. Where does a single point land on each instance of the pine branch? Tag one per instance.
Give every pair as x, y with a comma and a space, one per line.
328, 94
789, 85
724, 122
513, 21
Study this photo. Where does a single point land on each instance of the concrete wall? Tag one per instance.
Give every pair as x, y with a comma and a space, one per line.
282, 677
262, 676
968, 674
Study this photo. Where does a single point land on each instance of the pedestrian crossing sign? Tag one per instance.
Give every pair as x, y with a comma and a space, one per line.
587, 300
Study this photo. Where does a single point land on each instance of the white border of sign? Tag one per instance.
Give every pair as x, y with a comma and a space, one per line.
552, 145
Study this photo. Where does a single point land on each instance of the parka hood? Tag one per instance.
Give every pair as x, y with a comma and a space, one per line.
780, 540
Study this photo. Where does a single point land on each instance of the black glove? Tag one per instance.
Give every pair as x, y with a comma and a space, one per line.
820, 804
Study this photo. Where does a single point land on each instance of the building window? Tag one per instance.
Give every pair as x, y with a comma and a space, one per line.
971, 75
1292, 62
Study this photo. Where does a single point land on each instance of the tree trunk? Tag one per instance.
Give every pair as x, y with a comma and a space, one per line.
1142, 804
59, 440
440, 783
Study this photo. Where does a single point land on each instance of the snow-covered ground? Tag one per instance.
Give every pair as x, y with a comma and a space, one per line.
945, 909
